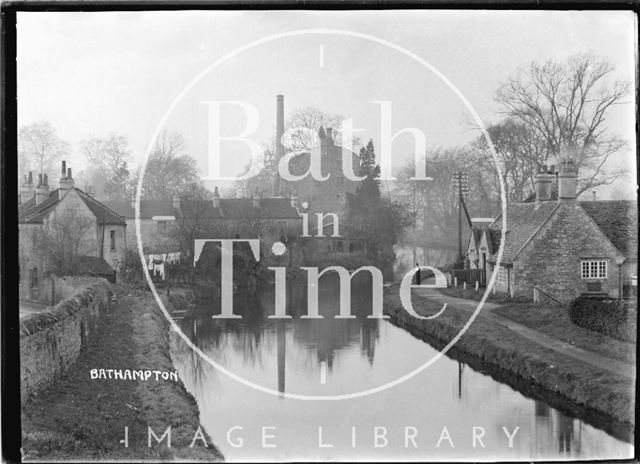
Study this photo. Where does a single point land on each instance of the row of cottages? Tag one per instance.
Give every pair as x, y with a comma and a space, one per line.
562, 247
69, 217
267, 218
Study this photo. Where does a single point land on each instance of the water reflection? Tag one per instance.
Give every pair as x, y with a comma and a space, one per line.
287, 355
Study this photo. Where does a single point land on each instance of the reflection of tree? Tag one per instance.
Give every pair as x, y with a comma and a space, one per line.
255, 334
564, 432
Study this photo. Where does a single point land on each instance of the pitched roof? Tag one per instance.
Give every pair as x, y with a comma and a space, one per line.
618, 220
523, 221
148, 208
32, 213
230, 208
270, 208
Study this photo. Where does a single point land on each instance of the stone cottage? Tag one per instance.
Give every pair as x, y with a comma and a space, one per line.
65, 218
562, 247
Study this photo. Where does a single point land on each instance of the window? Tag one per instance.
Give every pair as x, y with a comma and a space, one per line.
162, 227
502, 275
112, 239
340, 198
594, 269
33, 277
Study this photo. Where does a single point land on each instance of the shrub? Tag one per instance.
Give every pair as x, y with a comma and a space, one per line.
604, 315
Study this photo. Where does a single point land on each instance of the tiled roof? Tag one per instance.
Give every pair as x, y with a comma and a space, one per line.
618, 220
270, 208
198, 208
230, 208
523, 220
93, 265
148, 208
103, 213
32, 213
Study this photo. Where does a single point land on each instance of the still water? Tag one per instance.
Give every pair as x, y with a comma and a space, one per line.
432, 416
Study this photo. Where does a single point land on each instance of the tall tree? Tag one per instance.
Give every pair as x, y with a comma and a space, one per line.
373, 217
520, 151
65, 238
39, 147
169, 170
107, 159
566, 103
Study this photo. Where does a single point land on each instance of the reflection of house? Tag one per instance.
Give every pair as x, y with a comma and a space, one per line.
563, 247
66, 217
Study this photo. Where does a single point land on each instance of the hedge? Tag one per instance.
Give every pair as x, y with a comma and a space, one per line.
604, 315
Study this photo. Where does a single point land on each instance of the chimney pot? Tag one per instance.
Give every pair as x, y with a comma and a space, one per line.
63, 171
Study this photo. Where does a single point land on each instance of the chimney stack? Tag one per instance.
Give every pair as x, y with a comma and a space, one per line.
543, 180
567, 181
594, 195
216, 198
66, 181
42, 190
28, 190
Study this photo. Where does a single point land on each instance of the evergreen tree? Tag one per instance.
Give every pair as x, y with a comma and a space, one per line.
376, 219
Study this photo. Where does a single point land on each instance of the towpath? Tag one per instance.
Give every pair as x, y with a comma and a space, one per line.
608, 364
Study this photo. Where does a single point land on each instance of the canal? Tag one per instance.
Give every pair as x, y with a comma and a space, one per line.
432, 416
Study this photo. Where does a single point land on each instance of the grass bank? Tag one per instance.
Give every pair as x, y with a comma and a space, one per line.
599, 396
84, 419
553, 320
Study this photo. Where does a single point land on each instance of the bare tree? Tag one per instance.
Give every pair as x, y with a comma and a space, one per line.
304, 124
64, 238
520, 151
169, 170
567, 103
107, 158
39, 147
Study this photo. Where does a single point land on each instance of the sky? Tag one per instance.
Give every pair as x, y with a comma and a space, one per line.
92, 73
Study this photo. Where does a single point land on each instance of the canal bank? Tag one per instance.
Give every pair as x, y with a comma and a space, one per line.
83, 416
598, 396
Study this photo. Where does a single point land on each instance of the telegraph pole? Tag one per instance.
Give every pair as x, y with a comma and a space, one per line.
461, 182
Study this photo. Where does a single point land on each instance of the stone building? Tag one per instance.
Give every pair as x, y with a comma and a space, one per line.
59, 215
562, 247
267, 218
328, 196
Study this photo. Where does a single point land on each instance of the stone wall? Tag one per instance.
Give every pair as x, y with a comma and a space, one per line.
51, 340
